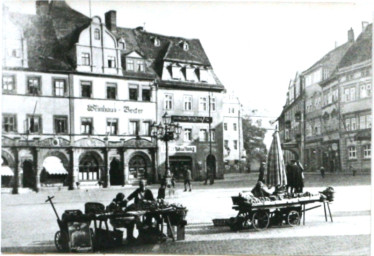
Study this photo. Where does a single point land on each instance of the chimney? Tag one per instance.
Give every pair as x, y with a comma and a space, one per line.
364, 25
351, 35
111, 21
42, 7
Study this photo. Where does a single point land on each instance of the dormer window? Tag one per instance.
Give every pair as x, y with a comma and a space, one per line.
111, 62
97, 34
156, 42
130, 64
140, 66
122, 45
186, 46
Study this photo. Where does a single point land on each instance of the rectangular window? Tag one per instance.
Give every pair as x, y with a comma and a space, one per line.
352, 153
202, 104
146, 94
187, 134
213, 135
348, 124
352, 92
86, 125
235, 144
187, 102
212, 104
86, 89
130, 64
111, 62
147, 128
34, 124
133, 128
346, 95
367, 151
85, 59
9, 83
112, 126
9, 123
362, 122
353, 123
61, 124
203, 135
59, 87
33, 85
225, 126
133, 92
368, 121
226, 143
234, 126
111, 91
140, 66
168, 101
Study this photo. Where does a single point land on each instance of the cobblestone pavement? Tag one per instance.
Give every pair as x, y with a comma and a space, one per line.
29, 224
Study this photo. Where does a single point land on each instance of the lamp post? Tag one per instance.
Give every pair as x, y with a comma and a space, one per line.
166, 131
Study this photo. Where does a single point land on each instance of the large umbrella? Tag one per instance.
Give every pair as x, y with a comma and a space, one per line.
276, 171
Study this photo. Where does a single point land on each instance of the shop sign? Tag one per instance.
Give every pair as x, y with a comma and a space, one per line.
191, 119
103, 108
181, 149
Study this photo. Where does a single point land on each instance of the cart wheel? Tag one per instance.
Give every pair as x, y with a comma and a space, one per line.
293, 218
260, 220
61, 242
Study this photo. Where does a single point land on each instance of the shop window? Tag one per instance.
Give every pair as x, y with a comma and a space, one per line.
86, 125
146, 94
86, 59
88, 169
352, 152
9, 123
187, 102
9, 84
111, 91
111, 62
86, 89
59, 87
187, 134
61, 124
112, 126
133, 92
34, 85
367, 151
34, 124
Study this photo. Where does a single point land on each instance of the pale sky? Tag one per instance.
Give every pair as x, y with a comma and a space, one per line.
255, 48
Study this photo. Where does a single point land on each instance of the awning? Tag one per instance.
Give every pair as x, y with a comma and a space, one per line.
6, 171
54, 166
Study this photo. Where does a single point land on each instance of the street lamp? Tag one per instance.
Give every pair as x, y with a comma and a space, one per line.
166, 131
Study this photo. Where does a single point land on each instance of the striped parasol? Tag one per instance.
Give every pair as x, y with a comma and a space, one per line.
276, 170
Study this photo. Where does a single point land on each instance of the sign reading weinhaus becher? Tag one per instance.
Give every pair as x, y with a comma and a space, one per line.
191, 119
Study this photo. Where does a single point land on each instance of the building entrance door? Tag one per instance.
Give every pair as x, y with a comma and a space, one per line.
115, 172
211, 165
28, 179
178, 164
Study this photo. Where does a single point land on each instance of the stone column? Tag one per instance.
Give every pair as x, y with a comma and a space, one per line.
38, 166
122, 164
71, 169
106, 169
154, 169
16, 171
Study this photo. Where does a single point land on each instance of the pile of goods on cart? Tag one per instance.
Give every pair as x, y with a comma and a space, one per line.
89, 231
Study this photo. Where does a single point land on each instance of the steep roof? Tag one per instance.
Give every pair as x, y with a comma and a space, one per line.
361, 50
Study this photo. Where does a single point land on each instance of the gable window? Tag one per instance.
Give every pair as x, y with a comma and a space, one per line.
86, 59
203, 135
140, 66
130, 64
97, 34
34, 124
203, 75
86, 125
112, 126
352, 152
157, 42
146, 94
367, 151
86, 89
168, 101
187, 134
60, 124
59, 87
111, 91
111, 62
203, 104
133, 128
212, 104
187, 102
122, 45
33, 85
175, 72
182, 73
9, 123
133, 92
9, 83
186, 46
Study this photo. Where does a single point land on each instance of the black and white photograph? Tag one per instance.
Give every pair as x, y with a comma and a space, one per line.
191, 127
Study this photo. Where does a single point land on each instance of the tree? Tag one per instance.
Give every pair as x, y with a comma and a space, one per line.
253, 137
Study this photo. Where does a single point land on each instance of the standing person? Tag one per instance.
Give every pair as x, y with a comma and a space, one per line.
161, 190
300, 186
290, 184
261, 172
322, 170
187, 179
294, 177
207, 175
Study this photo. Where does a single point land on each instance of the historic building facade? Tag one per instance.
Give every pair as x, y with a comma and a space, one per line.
83, 95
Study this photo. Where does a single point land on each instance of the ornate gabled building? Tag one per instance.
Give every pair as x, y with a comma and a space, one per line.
82, 94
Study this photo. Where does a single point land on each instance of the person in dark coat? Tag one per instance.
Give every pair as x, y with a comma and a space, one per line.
294, 177
300, 184
187, 179
161, 190
261, 172
322, 170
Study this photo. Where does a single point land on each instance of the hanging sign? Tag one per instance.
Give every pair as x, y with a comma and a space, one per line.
191, 119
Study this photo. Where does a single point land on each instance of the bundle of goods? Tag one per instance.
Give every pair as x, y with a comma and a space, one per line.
329, 193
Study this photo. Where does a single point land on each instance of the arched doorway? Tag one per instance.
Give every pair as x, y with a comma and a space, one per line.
211, 165
54, 172
138, 167
115, 172
28, 179
89, 168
